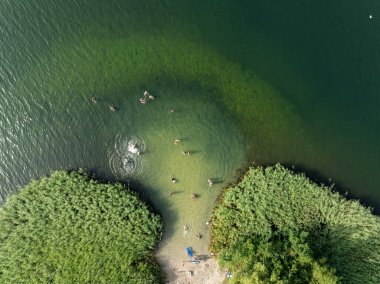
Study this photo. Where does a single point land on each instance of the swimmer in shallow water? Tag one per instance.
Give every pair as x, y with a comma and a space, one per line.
187, 153
113, 108
176, 141
147, 96
93, 99
134, 148
210, 183
142, 101
173, 179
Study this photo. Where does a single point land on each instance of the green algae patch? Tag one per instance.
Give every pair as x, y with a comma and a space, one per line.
276, 225
68, 228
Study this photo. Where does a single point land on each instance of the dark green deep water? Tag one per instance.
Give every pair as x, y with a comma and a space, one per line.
295, 82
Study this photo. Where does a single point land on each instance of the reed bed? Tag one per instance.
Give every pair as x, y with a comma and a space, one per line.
69, 228
278, 226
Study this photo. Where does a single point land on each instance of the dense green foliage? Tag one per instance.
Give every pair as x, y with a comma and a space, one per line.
278, 226
68, 228
279, 258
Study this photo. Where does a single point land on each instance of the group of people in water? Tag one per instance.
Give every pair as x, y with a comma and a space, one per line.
194, 196
143, 100
197, 235
111, 107
147, 97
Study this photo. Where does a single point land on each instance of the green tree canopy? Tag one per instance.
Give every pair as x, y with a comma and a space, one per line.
279, 259
68, 228
278, 226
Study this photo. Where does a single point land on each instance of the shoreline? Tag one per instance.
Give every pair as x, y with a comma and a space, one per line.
177, 271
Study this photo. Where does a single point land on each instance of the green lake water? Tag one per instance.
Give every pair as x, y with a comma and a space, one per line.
258, 82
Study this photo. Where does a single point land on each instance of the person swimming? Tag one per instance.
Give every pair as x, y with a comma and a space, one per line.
134, 148
210, 183
172, 178
142, 101
186, 153
113, 108
176, 141
93, 99
147, 96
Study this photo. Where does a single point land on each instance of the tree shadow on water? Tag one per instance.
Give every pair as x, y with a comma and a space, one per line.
336, 185
160, 204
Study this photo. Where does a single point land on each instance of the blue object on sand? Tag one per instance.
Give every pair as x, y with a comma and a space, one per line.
189, 252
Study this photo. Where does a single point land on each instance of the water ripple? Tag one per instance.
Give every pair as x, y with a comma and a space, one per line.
125, 158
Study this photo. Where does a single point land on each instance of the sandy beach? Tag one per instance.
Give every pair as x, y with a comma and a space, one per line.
178, 272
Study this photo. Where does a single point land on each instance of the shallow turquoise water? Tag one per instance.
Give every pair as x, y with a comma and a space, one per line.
261, 81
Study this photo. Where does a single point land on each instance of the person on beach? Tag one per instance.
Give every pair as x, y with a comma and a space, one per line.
193, 196
198, 236
176, 141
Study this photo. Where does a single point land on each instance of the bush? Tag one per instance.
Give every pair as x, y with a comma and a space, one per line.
68, 228
277, 259
294, 231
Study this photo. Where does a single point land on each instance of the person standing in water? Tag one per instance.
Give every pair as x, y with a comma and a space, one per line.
148, 96
172, 178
